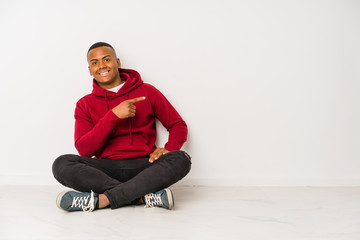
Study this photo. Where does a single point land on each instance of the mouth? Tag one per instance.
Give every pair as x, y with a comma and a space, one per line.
104, 74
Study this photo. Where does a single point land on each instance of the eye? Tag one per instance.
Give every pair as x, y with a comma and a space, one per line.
107, 59
93, 63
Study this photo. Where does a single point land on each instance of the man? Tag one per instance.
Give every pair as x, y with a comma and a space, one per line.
116, 125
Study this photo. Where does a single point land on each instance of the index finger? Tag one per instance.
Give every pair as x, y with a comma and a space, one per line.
134, 100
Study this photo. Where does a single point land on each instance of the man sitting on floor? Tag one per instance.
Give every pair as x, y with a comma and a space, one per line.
116, 125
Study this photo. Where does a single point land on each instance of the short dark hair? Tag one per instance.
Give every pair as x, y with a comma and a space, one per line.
100, 44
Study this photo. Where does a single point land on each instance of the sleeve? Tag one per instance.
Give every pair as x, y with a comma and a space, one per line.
170, 119
90, 138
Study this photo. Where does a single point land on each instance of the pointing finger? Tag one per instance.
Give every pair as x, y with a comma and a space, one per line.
134, 100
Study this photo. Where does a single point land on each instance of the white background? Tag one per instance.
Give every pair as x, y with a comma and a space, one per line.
269, 89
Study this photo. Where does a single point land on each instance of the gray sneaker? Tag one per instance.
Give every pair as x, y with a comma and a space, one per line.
77, 201
163, 198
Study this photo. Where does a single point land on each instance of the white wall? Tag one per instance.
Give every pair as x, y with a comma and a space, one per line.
269, 89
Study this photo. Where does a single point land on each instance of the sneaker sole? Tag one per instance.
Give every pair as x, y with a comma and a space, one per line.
58, 199
170, 198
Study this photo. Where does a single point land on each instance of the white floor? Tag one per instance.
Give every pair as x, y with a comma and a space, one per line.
29, 212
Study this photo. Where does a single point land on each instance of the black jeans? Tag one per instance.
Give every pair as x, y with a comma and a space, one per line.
123, 181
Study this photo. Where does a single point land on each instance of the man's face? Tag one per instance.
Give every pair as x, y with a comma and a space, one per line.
103, 66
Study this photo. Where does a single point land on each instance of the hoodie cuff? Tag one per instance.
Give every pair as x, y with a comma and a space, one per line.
170, 147
111, 117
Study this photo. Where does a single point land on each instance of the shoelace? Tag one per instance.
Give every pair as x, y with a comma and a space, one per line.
152, 200
81, 201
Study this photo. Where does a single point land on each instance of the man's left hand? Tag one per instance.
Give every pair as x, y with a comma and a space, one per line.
157, 153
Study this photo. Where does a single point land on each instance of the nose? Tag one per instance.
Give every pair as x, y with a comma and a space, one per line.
101, 64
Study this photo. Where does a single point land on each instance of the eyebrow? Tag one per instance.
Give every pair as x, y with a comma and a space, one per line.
102, 58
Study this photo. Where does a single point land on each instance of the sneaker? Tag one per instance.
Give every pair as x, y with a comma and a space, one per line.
163, 198
77, 201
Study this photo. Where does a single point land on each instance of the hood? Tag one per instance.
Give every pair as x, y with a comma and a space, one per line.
132, 80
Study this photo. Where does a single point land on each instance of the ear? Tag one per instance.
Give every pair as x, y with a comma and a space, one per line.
118, 62
90, 71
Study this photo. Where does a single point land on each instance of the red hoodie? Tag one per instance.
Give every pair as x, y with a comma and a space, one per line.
100, 133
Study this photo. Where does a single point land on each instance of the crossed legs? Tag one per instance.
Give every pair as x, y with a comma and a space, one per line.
120, 182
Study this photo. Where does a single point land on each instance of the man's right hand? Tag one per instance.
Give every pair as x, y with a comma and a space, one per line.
126, 108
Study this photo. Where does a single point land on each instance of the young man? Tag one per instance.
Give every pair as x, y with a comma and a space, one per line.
116, 124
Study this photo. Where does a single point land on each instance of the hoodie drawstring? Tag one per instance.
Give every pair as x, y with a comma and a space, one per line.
106, 100
131, 138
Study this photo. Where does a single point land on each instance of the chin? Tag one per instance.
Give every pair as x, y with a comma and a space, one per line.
106, 82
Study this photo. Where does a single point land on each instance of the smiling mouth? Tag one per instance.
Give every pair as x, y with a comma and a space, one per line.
104, 74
